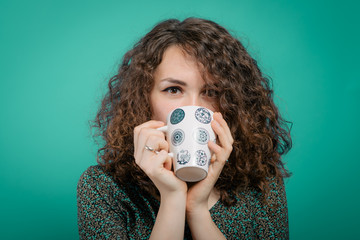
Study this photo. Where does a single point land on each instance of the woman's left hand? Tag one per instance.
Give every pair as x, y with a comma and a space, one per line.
198, 194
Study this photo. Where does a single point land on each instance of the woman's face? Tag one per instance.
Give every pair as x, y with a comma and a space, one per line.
178, 82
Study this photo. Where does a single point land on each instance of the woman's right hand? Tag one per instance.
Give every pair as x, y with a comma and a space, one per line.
157, 166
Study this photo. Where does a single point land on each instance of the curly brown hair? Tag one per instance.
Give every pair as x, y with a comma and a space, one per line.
244, 96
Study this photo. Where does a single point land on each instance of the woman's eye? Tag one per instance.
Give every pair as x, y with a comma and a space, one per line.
172, 90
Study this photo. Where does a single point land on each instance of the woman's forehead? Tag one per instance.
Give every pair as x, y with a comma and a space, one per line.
177, 57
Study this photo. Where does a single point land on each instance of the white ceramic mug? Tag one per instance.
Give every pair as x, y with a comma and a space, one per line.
188, 131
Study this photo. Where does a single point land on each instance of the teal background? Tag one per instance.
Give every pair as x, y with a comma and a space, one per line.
55, 60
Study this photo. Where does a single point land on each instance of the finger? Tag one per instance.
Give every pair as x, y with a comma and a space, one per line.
157, 164
158, 143
154, 163
220, 119
143, 136
215, 148
153, 142
150, 124
213, 158
225, 140
214, 171
220, 155
168, 161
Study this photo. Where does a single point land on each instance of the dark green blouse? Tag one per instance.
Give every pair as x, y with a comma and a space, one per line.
109, 211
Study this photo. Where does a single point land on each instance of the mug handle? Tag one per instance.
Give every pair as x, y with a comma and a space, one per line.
164, 129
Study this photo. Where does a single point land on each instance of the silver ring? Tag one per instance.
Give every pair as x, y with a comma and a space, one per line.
151, 149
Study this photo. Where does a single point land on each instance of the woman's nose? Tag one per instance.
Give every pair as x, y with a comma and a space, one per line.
193, 101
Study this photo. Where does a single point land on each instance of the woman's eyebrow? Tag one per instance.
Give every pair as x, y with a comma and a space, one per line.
175, 81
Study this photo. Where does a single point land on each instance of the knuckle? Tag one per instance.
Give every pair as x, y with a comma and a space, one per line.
162, 134
143, 131
138, 161
166, 144
229, 148
153, 138
137, 129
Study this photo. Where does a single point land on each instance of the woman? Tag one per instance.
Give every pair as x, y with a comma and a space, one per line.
133, 192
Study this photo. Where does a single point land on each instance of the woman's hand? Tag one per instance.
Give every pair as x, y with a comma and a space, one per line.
198, 194
157, 166
197, 208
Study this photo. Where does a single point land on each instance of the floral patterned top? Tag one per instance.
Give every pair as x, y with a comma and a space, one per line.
109, 211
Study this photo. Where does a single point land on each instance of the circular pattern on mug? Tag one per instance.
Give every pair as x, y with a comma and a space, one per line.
183, 157
201, 135
203, 115
201, 158
177, 116
177, 137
